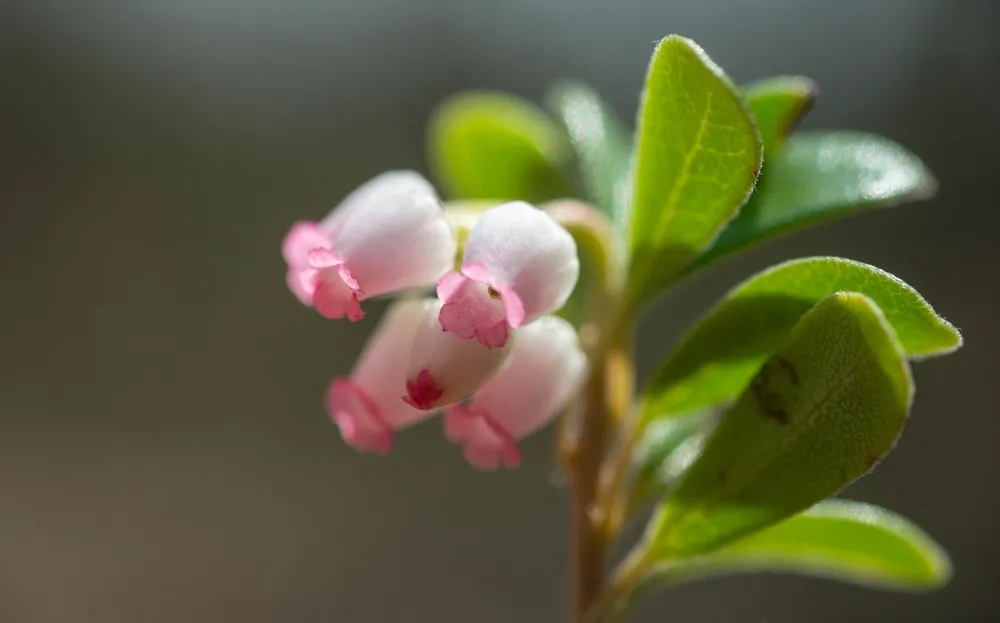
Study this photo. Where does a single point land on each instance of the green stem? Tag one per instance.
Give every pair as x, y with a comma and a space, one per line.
612, 602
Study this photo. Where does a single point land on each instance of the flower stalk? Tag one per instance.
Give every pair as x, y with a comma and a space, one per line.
604, 405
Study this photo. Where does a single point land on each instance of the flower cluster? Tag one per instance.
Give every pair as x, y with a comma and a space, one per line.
486, 352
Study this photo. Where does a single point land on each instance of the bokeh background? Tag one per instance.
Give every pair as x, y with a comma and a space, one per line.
164, 455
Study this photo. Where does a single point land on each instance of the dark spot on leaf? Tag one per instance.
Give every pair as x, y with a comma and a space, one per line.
787, 366
872, 461
774, 389
780, 415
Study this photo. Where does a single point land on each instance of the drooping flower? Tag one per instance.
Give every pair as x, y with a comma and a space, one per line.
519, 265
387, 236
445, 368
367, 406
545, 368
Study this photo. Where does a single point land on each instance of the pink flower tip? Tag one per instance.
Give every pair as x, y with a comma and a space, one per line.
422, 391
475, 307
318, 276
303, 237
359, 420
336, 292
486, 444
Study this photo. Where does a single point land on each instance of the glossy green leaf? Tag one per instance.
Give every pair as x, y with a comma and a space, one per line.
778, 104
698, 154
823, 410
837, 539
719, 356
668, 446
600, 141
819, 176
496, 146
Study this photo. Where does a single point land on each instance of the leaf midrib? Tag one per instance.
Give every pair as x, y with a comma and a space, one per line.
673, 199
683, 177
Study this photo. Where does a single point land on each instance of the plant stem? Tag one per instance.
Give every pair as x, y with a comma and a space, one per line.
589, 546
604, 402
624, 579
612, 497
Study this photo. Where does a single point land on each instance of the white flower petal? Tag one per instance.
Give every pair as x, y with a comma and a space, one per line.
545, 369
393, 236
526, 256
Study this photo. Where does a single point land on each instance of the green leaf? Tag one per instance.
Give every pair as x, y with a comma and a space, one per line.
698, 154
837, 539
820, 413
496, 146
667, 448
819, 176
719, 355
778, 104
600, 140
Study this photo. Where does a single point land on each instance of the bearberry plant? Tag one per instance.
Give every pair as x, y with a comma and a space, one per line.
518, 302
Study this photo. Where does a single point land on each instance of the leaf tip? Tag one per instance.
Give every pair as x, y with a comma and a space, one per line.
954, 334
939, 566
927, 187
808, 90
934, 569
879, 333
682, 44
673, 39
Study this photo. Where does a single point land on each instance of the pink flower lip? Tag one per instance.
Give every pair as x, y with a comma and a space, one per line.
486, 444
356, 415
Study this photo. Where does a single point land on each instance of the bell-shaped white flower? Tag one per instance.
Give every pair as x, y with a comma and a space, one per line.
545, 369
519, 265
387, 236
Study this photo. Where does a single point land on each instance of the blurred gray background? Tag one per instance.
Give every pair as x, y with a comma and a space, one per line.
164, 455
